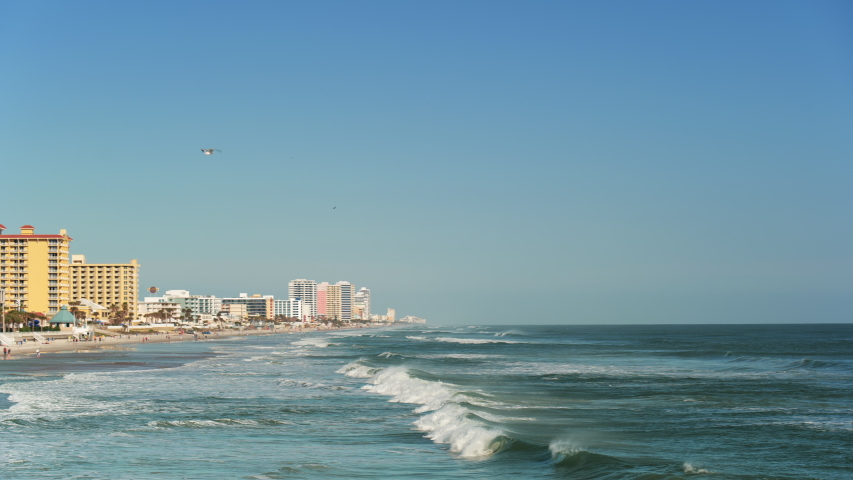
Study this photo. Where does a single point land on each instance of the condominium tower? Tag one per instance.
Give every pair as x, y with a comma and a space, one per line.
361, 304
105, 283
339, 300
34, 270
306, 290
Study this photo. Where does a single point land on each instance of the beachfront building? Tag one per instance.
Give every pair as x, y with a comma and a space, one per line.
347, 293
339, 300
235, 311
306, 290
157, 310
201, 305
391, 316
34, 270
322, 298
104, 284
256, 305
290, 308
333, 302
361, 304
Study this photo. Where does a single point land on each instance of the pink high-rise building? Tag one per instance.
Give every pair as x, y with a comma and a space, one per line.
321, 298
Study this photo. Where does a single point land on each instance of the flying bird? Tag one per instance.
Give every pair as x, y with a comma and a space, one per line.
209, 151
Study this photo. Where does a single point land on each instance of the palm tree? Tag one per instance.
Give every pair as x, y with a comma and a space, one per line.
119, 313
164, 314
186, 315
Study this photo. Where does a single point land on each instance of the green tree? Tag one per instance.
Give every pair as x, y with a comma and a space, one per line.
24, 318
187, 315
118, 314
75, 310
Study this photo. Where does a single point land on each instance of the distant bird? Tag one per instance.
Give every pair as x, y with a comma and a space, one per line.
209, 151
334, 208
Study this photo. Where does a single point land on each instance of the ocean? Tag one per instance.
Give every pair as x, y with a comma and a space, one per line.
529, 402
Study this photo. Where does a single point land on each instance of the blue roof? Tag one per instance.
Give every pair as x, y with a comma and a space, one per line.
63, 316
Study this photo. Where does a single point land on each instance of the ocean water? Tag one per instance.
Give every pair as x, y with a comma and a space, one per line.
574, 402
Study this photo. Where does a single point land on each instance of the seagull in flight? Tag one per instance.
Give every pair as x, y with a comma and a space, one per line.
209, 151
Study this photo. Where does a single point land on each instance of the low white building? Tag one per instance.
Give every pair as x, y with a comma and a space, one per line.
292, 308
144, 309
199, 304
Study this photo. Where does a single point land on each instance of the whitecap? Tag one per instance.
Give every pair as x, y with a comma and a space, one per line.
451, 425
690, 468
562, 448
311, 342
358, 370
403, 388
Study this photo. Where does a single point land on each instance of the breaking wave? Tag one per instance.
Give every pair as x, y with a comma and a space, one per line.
455, 425
311, 342
357, 370
689, 468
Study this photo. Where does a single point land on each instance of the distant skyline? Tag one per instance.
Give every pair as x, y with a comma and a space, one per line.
478, 162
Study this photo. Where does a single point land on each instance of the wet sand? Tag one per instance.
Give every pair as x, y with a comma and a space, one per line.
33, 347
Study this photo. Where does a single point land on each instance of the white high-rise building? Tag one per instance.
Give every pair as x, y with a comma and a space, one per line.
347, 296
305, 290
361, 303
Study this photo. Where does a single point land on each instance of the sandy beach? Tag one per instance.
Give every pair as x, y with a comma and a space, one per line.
32, 347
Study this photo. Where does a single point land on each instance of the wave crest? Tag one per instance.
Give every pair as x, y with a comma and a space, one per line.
402, 387
452, 424
311, 342
357, 370
689, 468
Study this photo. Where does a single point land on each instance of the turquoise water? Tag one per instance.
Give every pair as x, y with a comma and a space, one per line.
579, 402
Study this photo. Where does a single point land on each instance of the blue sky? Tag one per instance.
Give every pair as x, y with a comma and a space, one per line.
489, 162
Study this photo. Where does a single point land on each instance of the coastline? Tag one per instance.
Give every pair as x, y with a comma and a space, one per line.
32, 348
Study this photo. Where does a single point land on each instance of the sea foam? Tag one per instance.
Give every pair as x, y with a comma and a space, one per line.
402, 387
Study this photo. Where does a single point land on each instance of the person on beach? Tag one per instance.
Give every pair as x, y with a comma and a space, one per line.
38, 352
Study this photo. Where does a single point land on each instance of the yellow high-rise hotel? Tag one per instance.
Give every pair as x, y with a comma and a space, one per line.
37, 276
105, 283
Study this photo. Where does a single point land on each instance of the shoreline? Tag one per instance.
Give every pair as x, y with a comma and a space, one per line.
36, 348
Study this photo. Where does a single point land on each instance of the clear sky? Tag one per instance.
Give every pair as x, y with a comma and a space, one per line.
487, 161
